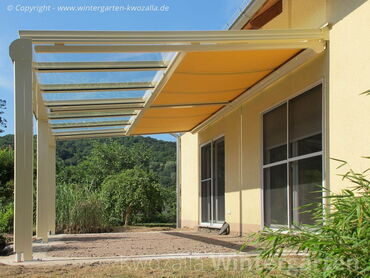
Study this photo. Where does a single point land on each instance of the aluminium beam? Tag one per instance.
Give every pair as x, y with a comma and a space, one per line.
86, 136
43, 180
96, 87
100, 66
186, 105
89, 124
67, 116
94, 111
89, 132
165, 37
21, 54
317, 45
113, 101
52, 187
93, 108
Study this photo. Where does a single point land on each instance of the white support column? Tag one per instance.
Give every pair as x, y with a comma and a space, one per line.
43, 180
21, 54
52, 196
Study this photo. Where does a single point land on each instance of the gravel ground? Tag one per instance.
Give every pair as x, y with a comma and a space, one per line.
140, 243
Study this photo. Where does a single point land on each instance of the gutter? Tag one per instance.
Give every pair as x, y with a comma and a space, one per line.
247, 14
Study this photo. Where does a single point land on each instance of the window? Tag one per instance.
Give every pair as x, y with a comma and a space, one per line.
292, 159
213, 182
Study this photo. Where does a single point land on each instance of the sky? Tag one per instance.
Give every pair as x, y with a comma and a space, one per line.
96, 15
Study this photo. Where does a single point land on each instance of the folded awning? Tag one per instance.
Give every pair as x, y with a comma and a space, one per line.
99, 84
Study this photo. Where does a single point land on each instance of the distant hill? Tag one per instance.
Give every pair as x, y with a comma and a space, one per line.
73, 152
7, 140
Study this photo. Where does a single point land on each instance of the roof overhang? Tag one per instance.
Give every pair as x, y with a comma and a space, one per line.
200, 74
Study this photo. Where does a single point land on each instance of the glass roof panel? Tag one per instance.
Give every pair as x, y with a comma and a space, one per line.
92, 120
96, 77
103, 57
88, 129
92, 95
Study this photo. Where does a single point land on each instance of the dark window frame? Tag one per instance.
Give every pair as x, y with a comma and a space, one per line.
291, 159
210, 182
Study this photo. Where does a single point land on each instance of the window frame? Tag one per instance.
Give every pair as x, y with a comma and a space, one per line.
295, 158
211, 224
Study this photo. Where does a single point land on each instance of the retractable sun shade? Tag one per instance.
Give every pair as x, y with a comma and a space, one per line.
103, 84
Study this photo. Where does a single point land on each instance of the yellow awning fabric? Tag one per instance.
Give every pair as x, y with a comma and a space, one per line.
167, 120
203, 83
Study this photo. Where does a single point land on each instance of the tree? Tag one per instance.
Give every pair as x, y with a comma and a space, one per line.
2, 120
6, 189
107, 159
133, 191
6, 175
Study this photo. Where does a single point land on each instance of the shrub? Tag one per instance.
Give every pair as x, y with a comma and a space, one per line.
87, 215
6, 218
133, 192
79, 209
337, 245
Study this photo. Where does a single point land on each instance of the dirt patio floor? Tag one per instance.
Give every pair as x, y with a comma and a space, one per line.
136, 243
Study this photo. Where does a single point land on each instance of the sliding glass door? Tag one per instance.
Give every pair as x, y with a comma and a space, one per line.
292, 159
213, 182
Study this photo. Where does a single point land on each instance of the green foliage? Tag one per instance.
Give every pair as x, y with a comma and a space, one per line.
168, 214
337, 245
78, 159
2, 120
6, 218
7, 141
79, 209
131, 192
6, 189
6, 175
83, 165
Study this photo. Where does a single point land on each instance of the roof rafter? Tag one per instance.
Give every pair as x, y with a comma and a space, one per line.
89, 132
66, 116
166, 37
89, 124
88, 102
95, 87
100, 66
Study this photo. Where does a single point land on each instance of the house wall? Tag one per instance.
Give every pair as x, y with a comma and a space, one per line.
349, 112
229, 127
349, 76
189, 180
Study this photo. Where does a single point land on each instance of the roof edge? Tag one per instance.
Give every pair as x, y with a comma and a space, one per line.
250, 10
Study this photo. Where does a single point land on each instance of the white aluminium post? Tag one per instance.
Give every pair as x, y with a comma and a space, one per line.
43, 180
52, 184
21, 54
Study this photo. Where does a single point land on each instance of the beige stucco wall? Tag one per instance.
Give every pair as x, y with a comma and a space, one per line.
229, 127
349, 112
343, 106
189, 180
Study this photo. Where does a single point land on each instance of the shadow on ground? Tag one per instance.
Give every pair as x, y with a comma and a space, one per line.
213, 241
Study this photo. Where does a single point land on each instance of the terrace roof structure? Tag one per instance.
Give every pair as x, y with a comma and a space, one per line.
150, 82
87, 84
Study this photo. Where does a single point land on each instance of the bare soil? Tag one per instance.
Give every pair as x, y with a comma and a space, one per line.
136, 242
207, 268
163, 269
